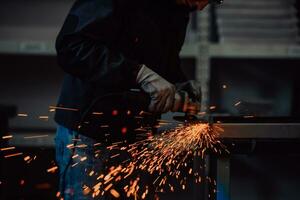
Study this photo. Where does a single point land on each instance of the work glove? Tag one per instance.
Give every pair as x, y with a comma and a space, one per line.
193, 89
162, 92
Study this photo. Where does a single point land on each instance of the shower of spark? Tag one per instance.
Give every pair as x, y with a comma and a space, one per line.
162, 156
165, 158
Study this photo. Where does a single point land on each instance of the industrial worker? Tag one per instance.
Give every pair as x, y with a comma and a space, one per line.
109, 46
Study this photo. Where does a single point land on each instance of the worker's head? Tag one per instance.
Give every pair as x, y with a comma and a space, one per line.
197, 4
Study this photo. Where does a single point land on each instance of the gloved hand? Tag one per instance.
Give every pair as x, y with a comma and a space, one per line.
162, 92
193, 88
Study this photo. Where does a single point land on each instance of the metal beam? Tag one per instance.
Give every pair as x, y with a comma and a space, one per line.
259, 130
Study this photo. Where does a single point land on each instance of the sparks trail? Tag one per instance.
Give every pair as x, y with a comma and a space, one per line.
6, 137
7, 148
22, 115
237, 104
44, 117
36, 136
52, 169
164, 156
53, 108
13, 155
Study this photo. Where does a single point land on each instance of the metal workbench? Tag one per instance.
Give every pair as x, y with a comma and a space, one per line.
279, 136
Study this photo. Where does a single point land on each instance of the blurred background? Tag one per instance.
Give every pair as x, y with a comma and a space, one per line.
246, 54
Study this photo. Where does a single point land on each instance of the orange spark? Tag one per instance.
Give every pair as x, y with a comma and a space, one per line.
7, 137
97, 113
83, 159
116, 155
7, 148
114, 193
13, 155
86, 190
22, 115
44, 117
75, 164
58, 194
238, 103
26, 158
212, 107
201, 113
36, 136
52, 169
92, 173
248, 116
63, 108
75, 156
108, 187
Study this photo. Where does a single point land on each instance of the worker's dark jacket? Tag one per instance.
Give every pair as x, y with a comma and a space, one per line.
102, 43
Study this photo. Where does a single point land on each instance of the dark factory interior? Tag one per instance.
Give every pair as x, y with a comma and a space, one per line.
244, 54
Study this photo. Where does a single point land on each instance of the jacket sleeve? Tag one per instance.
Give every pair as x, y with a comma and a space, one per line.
85, 45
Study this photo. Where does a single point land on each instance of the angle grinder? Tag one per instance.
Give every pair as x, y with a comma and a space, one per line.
129, 110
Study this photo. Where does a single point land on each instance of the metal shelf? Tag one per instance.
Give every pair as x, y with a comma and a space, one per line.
188, 50
48, 48
254, 51
27, 47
